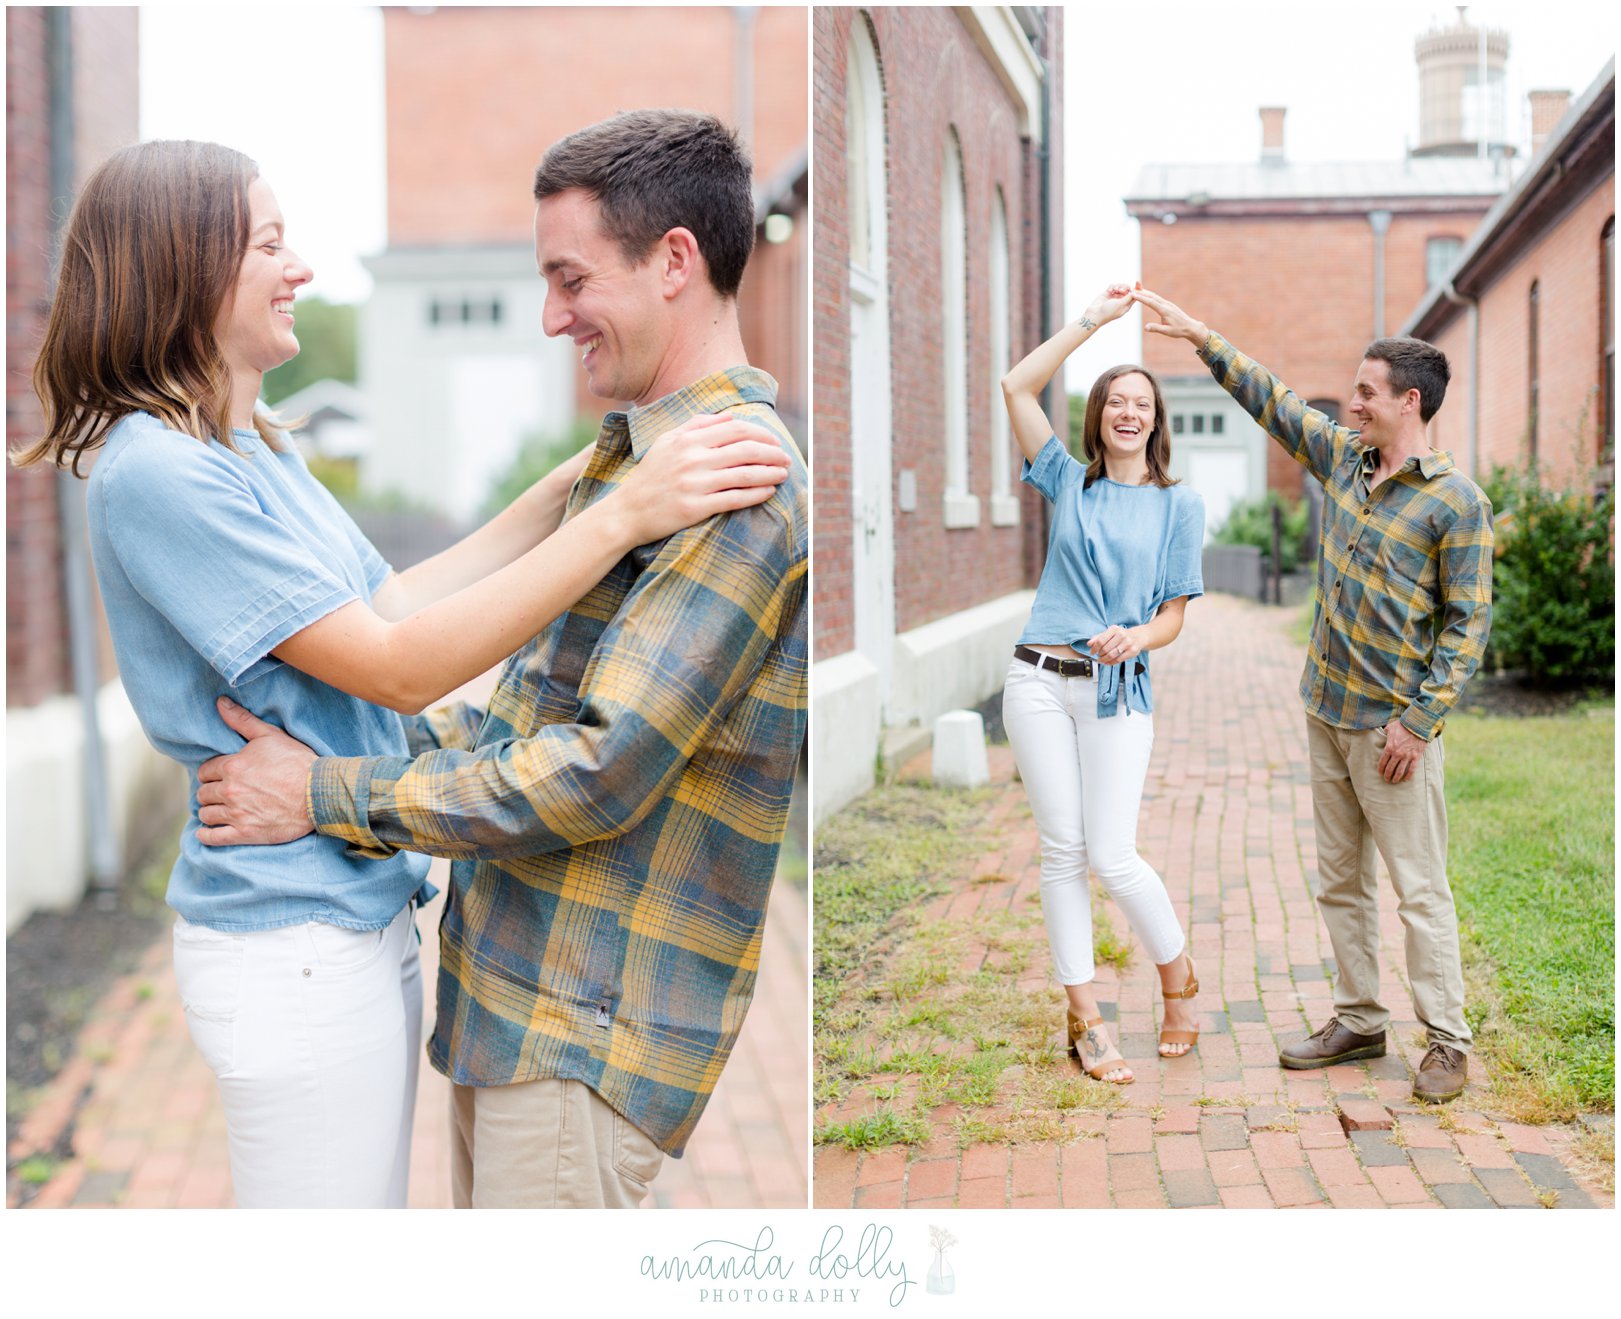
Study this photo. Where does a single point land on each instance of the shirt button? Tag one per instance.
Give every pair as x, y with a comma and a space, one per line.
306, 973
1366, 510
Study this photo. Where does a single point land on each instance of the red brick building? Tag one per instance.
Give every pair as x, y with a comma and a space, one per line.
71, 99
452, 357
938, 190
1527, 312
1302, 264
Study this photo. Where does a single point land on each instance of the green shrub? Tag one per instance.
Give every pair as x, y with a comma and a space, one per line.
1249, 522
1554, 579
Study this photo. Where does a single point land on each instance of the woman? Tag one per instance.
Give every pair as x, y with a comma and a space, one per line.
1122, 564
226, 569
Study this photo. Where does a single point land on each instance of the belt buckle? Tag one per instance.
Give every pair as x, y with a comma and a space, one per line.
1075, 668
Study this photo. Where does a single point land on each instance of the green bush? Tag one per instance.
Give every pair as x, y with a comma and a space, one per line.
1554, 579
1250, 523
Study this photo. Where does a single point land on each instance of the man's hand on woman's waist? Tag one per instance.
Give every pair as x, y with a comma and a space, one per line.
257, 795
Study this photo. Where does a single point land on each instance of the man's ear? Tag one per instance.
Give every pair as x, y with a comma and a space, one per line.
678, 250
1411, 401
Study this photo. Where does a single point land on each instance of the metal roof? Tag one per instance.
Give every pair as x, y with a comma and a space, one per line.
1425, 176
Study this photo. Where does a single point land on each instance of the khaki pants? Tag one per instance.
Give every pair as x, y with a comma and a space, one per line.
549, 1144
1357, 811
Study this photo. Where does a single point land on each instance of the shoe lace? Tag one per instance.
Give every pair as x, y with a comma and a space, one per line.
1444, 1054
1323, 1031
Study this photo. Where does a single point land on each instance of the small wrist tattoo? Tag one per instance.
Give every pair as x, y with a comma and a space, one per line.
1087, 323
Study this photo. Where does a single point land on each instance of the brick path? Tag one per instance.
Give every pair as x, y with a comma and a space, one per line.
142, 1123
1227, 821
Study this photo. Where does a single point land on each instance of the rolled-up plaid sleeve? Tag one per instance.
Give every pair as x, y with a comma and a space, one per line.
684, 647
1465, 575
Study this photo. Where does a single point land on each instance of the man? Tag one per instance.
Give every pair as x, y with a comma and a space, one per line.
616, 813
1404, 589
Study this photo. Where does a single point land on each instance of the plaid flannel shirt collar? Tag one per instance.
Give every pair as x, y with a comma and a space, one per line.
712, 393
1430, 465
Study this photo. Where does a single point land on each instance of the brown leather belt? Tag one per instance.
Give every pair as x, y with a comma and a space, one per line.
1064, 668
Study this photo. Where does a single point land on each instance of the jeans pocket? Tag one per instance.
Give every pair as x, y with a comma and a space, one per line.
338, 951
635, 1154
208, 969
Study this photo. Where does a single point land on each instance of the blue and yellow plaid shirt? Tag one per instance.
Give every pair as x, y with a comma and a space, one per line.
616, 813
1404, 578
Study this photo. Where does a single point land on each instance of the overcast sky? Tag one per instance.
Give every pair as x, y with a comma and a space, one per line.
301, 91
1177, 83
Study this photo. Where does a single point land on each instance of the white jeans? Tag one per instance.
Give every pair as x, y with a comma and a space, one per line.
314, 1034
1084, 777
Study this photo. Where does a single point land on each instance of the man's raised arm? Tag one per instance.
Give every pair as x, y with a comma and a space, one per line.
1312, 438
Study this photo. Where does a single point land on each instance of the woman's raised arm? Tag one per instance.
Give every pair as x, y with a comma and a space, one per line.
1022, 386
701, 469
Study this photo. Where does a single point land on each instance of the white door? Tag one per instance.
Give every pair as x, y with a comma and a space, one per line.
1222, 477
871, 492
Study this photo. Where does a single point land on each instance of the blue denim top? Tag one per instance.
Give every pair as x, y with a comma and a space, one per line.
208, 560
1115, 554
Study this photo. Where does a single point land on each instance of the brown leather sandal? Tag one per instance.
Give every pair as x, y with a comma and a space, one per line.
1187, 1037
1099, 1071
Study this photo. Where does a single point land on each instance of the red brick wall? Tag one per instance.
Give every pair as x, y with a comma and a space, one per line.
1295, 292
475, 95
935, 79
104, 60
1565, 262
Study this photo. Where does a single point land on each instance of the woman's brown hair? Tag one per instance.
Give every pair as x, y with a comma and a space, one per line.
150, 257
1158, 451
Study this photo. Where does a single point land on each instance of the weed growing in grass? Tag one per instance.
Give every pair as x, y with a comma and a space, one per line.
971, 1129
1547, 1197
875, 1130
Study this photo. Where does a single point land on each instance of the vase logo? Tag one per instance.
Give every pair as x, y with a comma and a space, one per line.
942, 1278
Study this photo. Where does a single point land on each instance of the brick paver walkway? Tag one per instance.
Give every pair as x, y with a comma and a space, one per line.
136, 1113
1227, 821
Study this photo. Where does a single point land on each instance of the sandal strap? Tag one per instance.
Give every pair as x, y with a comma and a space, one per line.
1188, 990
1179, 1037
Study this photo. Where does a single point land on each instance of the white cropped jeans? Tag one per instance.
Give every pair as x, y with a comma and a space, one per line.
1084, 776
314, 1034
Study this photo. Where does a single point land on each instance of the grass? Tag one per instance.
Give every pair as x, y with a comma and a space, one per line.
898, 1012
875, 862
875, 1130
1531, 807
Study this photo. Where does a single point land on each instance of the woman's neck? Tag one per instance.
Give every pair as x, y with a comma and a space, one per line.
245, 387
1126, 471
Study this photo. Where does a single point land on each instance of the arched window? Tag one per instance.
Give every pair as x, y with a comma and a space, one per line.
961, 507
1533, 367
1004, 505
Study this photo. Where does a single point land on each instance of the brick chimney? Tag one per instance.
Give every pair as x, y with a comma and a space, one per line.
1547, 109
1272, 134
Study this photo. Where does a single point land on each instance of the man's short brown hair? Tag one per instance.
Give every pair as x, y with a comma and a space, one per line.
1414, 364
651, 171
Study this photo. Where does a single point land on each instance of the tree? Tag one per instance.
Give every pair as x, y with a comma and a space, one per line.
326, 339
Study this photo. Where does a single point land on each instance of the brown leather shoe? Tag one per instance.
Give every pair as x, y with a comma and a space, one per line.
1441, 1075
1331, 1044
